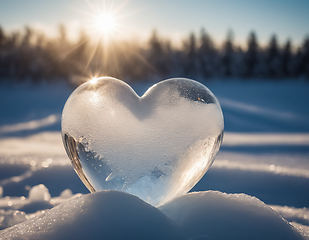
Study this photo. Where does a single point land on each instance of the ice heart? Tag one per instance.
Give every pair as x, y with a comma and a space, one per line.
157, 146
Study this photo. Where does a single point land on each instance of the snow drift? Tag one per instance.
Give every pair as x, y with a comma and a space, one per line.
118, 215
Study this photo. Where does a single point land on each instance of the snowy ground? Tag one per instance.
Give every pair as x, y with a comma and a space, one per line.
265, 152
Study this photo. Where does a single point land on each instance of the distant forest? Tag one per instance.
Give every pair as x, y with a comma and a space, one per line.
31, 56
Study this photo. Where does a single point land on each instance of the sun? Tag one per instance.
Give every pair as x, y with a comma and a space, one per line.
105, 23
105, 33
93, 80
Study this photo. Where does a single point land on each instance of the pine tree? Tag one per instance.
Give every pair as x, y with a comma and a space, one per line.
273, 59
227, 57
2, 55
78, 57
2, 39
158, 56
61, 65
304, 64
206, 56
26, 56
251, 57
286, 60
190, 58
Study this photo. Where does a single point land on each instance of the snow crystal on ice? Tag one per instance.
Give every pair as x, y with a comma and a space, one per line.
156, 146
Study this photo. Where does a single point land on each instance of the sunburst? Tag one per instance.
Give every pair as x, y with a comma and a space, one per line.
105, 30
106, 23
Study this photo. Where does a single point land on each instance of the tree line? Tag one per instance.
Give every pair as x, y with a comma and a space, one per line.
31, 56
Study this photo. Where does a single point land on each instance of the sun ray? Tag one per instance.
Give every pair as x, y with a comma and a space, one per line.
106, 55
65, 54
92, 54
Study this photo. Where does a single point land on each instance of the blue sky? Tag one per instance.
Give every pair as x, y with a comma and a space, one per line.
172, 18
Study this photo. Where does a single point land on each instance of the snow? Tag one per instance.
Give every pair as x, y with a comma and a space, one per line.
217, 215
105, 214
31, 125
48, 143
36, 203
12, 218
263, 154
265, 139
293, 214
39, 193
118, 215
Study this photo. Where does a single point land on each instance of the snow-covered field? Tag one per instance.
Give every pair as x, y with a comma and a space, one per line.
265, 154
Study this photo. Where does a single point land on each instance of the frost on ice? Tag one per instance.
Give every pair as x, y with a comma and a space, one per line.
157, 146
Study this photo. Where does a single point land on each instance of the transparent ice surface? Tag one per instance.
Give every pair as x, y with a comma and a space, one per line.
157, 146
